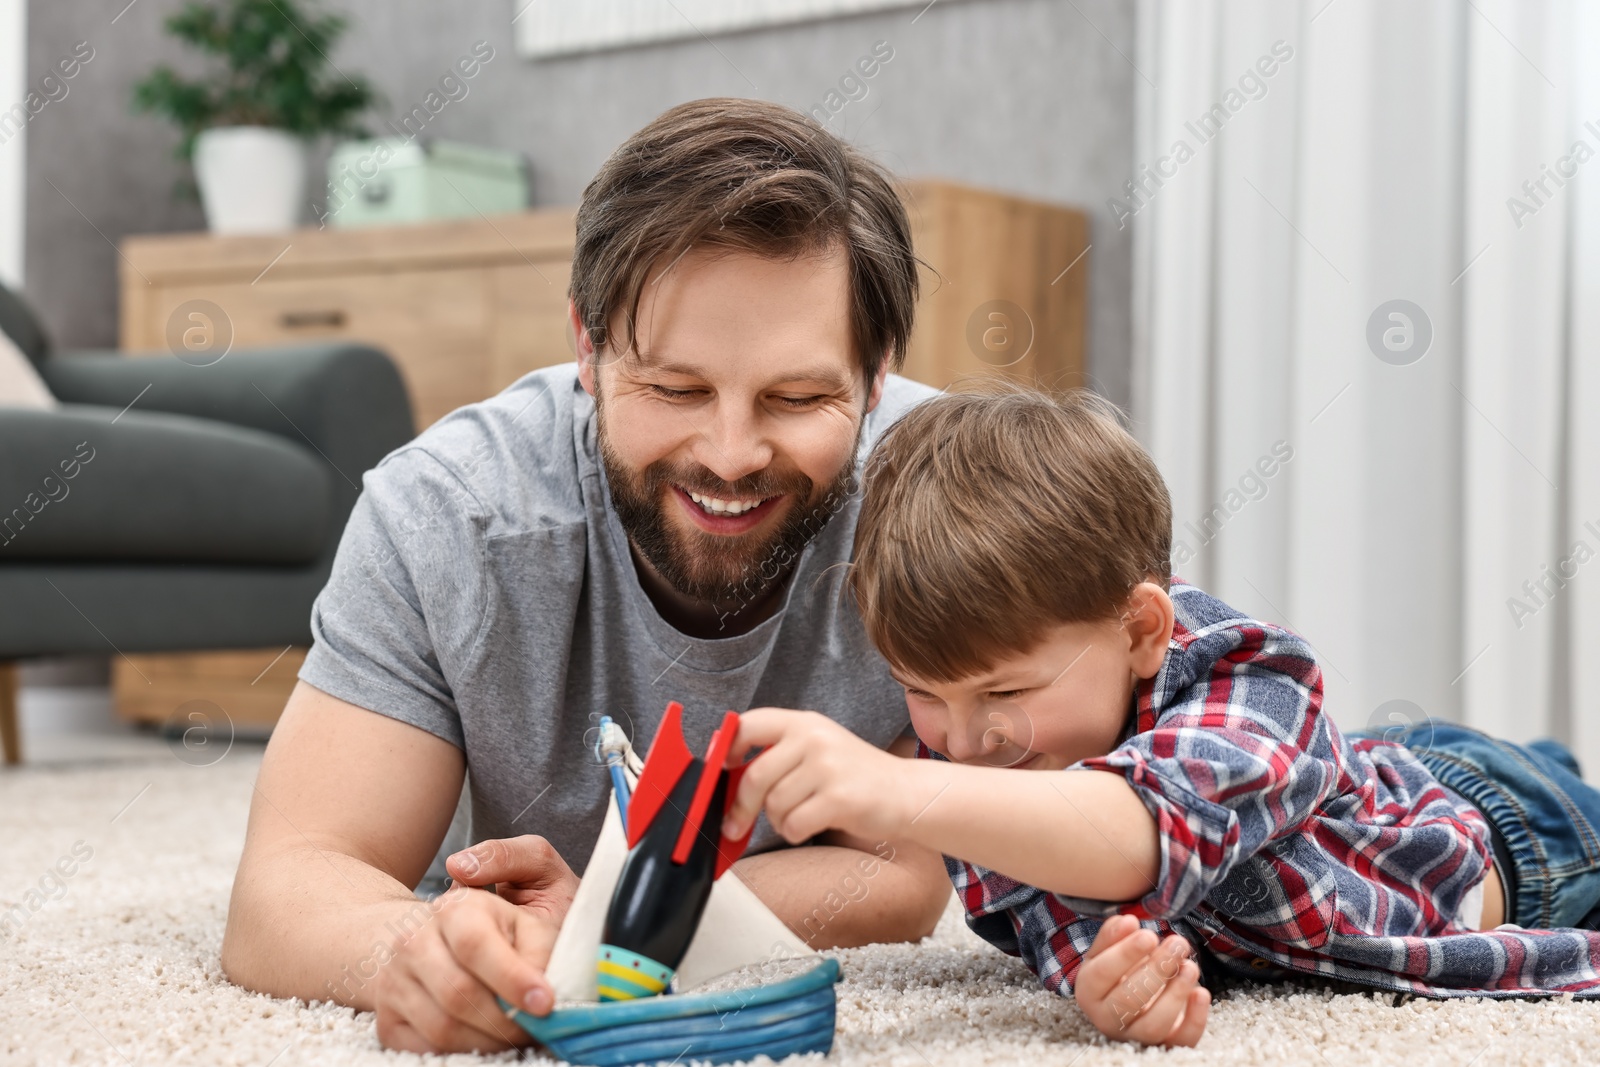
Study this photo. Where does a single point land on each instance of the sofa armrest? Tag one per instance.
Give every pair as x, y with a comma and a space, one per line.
346, 402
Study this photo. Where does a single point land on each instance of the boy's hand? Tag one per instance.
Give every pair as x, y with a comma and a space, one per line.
1135, 987
814, 775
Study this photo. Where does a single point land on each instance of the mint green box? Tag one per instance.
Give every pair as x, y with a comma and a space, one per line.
397, 180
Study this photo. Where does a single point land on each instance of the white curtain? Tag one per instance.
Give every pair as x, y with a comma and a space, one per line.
1367, 355
13, 139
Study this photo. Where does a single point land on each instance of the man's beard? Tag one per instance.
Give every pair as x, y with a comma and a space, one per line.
726, 572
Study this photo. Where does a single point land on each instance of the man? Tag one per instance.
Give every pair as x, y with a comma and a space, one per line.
664, 520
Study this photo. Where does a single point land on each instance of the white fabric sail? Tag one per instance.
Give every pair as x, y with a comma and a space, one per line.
737, 930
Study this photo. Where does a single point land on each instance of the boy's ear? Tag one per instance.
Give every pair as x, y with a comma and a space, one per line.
1148, 620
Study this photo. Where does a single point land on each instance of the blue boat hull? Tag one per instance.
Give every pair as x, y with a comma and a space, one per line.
776, 1020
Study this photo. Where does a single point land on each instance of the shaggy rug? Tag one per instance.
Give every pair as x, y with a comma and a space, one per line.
117, 963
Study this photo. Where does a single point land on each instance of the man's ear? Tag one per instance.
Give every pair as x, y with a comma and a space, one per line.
583, 346
1148, 620
875, 390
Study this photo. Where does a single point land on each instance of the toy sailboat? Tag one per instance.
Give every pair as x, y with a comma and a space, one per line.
654, 913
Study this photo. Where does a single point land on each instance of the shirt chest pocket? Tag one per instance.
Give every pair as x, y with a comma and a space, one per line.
1275, 902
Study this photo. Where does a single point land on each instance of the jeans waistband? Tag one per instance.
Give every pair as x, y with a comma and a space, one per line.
1503, 866
1544, 820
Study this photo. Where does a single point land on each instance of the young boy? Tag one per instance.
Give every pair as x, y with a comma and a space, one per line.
1191, 804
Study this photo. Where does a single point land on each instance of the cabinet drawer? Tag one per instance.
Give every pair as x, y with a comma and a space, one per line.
435, 324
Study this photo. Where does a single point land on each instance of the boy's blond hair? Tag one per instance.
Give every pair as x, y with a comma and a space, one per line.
991, 515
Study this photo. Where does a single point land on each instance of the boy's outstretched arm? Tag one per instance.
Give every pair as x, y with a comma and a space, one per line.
895, 890
1081, 834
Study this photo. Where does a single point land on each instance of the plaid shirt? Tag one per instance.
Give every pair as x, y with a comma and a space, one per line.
1285, 847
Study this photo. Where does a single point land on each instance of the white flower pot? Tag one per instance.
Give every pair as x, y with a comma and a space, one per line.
252, 178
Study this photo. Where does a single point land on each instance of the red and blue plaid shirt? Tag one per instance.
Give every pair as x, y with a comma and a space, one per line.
1285, 847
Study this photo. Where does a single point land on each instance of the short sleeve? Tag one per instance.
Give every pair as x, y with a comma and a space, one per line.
404, 601
1242, 755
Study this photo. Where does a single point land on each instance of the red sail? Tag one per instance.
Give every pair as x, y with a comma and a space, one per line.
668, 758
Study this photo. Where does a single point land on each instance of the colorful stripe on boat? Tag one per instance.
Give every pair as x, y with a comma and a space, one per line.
625, 975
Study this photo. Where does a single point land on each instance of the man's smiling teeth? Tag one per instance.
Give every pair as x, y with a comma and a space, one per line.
723, 507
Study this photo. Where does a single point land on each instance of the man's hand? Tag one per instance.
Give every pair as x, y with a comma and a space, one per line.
1135, 987
814, 775
438, 992
527, 871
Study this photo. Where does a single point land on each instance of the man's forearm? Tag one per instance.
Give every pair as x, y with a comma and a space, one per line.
852, 893
333, 845
316, 924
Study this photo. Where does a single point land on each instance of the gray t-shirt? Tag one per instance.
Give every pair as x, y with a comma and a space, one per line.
484, 592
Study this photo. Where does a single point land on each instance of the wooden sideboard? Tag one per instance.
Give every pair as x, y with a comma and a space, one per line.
467, 307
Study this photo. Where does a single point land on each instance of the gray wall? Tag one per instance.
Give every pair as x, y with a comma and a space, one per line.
1026, 96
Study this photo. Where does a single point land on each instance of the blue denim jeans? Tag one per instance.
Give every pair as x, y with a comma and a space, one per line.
1547, 819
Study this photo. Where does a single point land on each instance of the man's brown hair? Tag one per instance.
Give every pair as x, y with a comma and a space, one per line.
991, 516
750, 176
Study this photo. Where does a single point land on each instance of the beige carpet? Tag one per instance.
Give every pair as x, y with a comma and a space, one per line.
120, 967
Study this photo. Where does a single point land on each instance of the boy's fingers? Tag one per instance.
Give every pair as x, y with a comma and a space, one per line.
1195, 1014
796, 787
1159, 1018
1097, 981
758, 728
802, 821
1112, 930
761, 774
1144, 980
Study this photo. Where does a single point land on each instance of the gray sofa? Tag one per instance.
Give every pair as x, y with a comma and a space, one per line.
170, 507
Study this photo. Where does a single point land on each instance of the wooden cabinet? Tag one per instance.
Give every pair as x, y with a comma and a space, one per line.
1005, 287
249, 685
464, 308
467, 307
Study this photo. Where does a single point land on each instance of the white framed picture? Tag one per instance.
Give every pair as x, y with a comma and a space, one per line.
546, 28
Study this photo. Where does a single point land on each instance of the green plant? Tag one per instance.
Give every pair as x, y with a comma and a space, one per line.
273, 71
